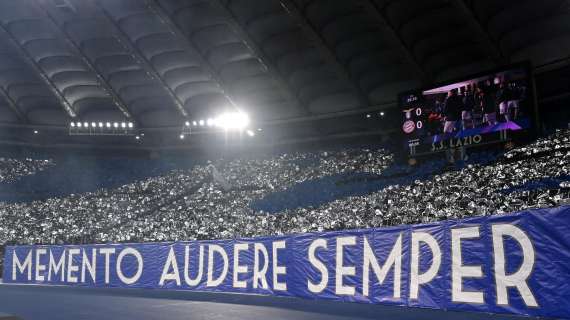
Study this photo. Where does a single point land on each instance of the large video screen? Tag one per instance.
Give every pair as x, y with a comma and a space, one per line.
480, 109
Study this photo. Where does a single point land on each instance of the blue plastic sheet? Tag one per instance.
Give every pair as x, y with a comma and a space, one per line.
513, 264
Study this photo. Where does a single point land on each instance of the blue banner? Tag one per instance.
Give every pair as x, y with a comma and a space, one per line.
514, 264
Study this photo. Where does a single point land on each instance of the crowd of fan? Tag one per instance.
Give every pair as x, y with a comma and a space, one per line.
190, 204
13, 169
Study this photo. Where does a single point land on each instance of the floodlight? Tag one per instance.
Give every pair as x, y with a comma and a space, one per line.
187, 123
194, 123
72, 124
93, 124
232, 120
116, 124
201, 122
79, 124
250, 133
86, 125
123, 125
100, 124
181, 137
210, 122
131, 125
108, 124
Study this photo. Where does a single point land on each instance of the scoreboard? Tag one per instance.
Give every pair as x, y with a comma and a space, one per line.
414, 118
477, 115
413, 113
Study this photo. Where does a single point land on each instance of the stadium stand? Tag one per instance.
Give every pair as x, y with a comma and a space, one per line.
72, 174
358, 188
12, 170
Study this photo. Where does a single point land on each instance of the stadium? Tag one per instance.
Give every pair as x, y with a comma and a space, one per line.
284, 159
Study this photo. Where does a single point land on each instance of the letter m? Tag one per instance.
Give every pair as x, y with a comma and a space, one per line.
58, 267
21, 267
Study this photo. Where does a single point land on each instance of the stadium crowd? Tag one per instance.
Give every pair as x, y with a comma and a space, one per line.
214, 200
13, 169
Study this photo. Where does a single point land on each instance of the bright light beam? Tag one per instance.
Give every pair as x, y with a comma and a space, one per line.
232, 121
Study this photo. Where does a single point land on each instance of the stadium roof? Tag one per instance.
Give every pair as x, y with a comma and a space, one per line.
159, 63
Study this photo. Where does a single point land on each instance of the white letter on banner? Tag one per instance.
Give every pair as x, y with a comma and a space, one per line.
517, 279
196, 281
459, 271
394, 259
211, 281
59, 267
40, 267
140, 265
21, 266
318, 287
342, 270
237, 268
170, 263
259, 275
417, 279
107, 253
71, 268
90, 266
277, 270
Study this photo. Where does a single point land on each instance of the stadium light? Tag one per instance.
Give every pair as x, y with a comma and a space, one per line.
250, 133
187, 123
194, 123
382, 113
36, 132
232, 120
210, 122
181, 137
201, 122
138, 137
368, 116
86, 128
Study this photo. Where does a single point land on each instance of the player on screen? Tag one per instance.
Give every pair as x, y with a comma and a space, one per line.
468, 106
487, 103
504, 98
518, 95
452, 111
